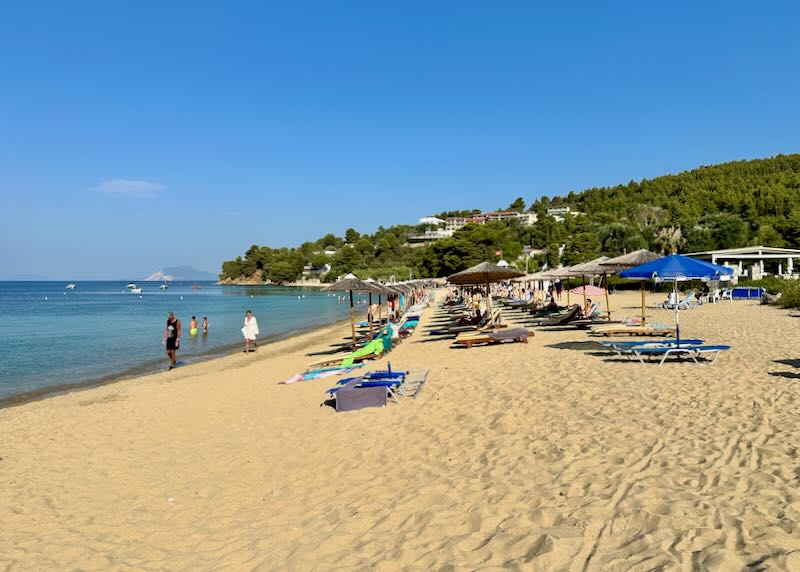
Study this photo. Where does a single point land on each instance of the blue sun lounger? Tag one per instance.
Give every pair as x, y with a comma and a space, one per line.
402, 384
662, 342
681, 351
622, 348
378, 375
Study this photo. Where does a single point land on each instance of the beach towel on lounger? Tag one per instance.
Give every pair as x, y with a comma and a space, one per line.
520, 334
374, 347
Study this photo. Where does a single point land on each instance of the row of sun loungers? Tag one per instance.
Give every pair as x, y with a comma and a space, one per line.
381, 344
643, 351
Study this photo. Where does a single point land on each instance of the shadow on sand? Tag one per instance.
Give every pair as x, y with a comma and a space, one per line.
579, 346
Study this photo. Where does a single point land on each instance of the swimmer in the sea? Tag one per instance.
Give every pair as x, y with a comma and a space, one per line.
205, 325
193, 327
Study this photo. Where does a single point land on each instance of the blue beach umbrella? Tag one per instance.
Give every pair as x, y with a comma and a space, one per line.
676, 268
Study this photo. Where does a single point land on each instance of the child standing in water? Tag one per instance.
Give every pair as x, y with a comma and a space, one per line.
205, 325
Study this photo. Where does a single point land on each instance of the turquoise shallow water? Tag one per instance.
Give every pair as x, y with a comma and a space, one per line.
51, 337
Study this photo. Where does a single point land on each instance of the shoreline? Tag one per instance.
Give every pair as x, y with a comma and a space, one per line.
150, 368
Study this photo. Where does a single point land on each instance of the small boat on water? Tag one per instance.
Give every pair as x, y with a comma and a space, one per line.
136, 290
164, 286
196, 286
70, 286
131, 285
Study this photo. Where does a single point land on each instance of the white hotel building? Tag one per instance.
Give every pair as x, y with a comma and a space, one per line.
452, 224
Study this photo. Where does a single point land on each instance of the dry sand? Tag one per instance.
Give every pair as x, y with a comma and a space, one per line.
531, 457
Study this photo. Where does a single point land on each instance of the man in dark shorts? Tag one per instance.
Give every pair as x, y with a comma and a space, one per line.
172, 337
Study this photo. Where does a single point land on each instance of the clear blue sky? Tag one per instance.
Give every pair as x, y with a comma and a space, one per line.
136, 135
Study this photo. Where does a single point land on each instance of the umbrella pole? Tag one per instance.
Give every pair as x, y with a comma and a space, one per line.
352, 321
677, 322
608, 306
380, 308
644, 318
567, 293
369, 315
489, 302
583, 284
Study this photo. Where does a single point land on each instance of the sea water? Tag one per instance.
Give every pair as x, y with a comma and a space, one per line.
52, 337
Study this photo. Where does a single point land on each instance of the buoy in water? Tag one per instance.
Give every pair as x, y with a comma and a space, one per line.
181, 297
45, 297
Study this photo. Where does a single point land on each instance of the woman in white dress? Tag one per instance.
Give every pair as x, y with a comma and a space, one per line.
250, 331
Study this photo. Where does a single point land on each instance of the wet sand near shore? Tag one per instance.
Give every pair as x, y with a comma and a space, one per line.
538, 456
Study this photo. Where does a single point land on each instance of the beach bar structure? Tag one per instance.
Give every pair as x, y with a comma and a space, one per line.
740, 258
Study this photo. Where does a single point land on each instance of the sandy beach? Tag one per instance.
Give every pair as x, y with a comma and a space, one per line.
538, 456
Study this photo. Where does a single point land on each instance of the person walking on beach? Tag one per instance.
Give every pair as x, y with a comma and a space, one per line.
205, 325
559, 289
172, 337
250, 331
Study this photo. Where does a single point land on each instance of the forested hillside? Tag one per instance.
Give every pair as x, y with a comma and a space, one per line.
720, 206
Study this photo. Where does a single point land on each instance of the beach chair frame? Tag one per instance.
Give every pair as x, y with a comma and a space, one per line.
692, 352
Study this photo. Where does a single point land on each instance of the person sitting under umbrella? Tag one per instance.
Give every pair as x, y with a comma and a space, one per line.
590, 309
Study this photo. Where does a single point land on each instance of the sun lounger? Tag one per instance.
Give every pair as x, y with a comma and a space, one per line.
545, 311
623, 348
405, 384
690, 301
691, 351
624, 344
640, 330
408, 385
573, 314
375, 348
455, 329
493, 336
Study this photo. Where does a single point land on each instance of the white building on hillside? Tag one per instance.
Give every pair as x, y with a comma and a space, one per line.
559, 213
452, 224
526, 219
431, 221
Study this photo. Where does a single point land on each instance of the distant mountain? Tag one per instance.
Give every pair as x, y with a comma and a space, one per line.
180, 273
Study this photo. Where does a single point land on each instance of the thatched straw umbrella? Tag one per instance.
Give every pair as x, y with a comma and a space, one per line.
592, 268
380, 290
484, 273
560, 273
629, 260
352, 283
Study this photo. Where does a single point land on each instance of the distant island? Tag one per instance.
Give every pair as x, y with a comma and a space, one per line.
173, 273
712, 207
